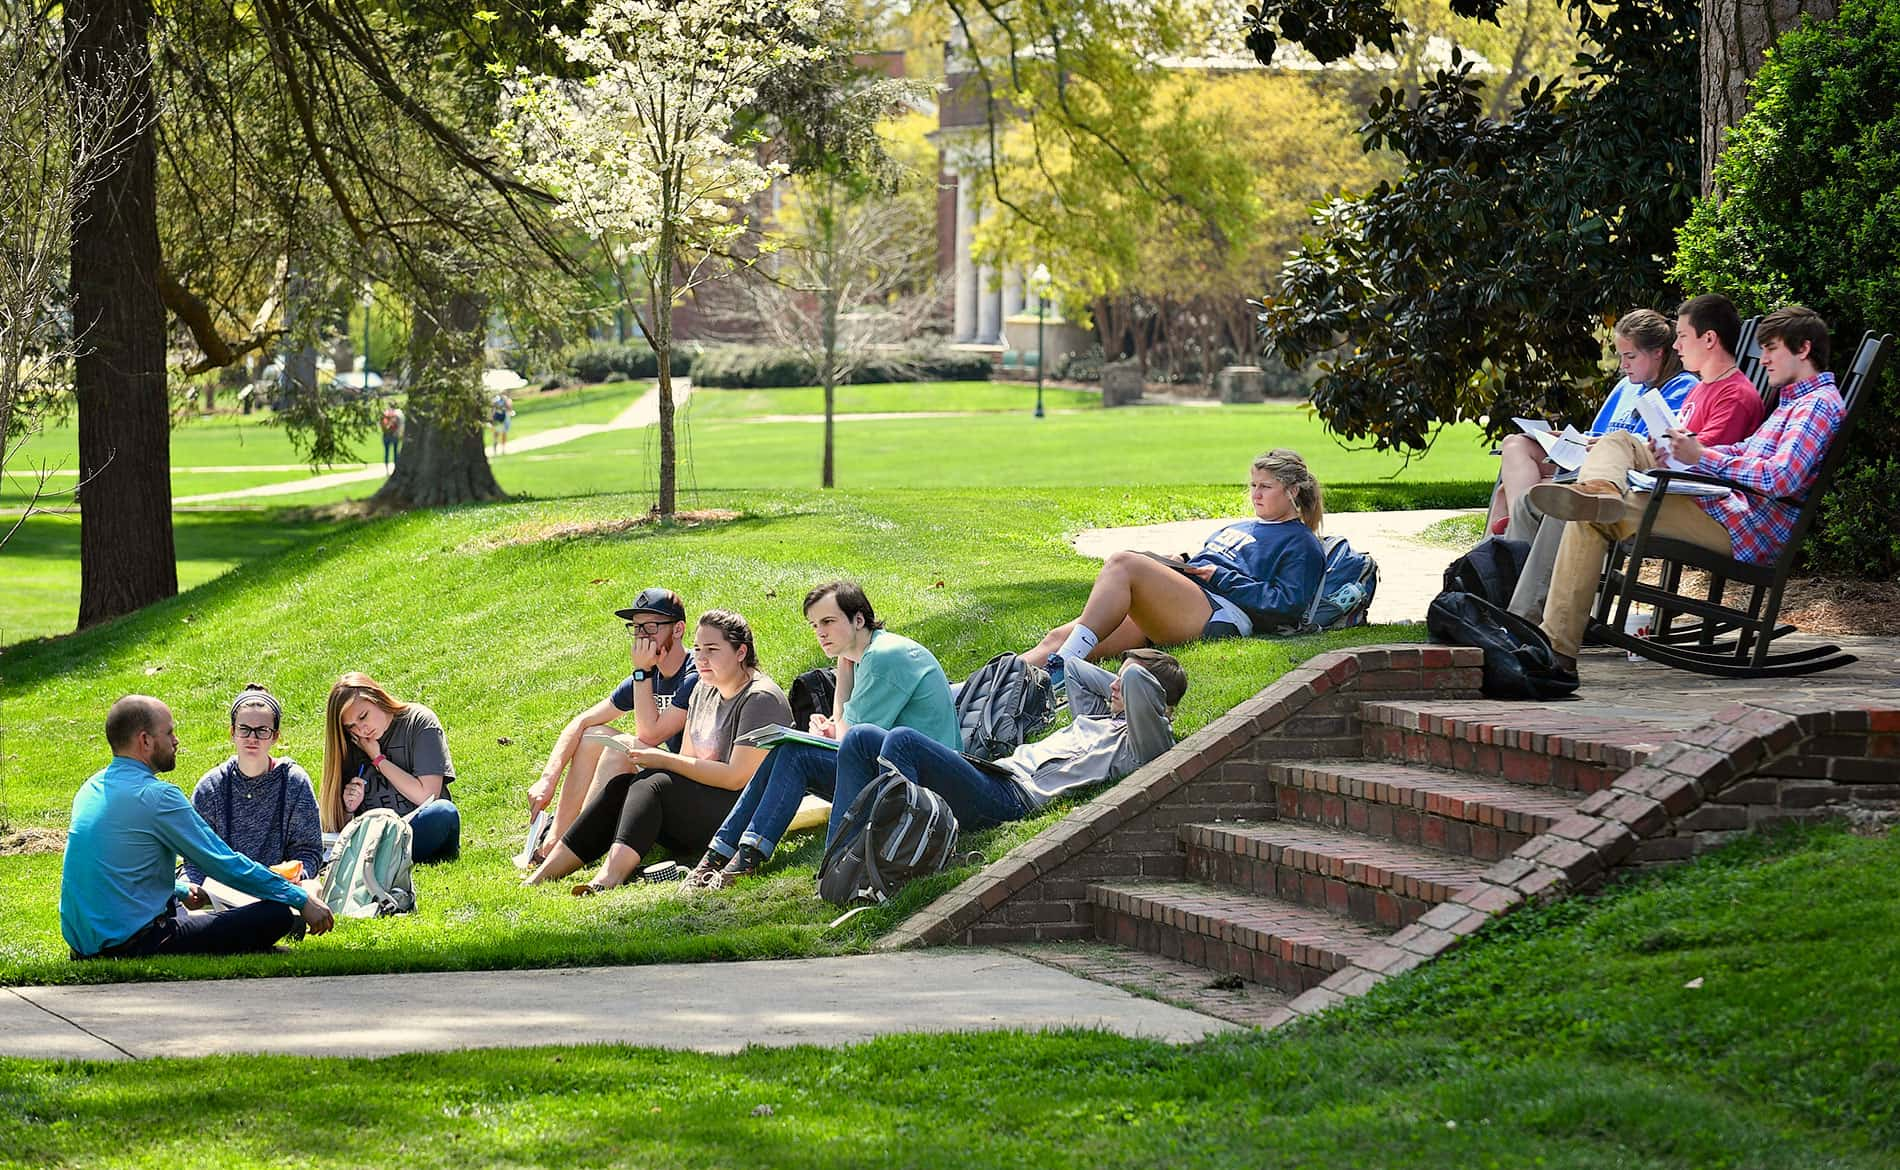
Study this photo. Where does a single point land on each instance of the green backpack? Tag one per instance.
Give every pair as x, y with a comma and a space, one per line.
369, 874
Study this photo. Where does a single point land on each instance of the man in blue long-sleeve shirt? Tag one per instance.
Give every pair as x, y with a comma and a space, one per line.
119, 888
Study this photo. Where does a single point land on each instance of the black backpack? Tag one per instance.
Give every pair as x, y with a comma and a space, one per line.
894, 831
1518, 660
812, 694
1004, 705
1490, 570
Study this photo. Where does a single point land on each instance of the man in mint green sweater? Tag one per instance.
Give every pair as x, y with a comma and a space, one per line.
884, 680
119, 891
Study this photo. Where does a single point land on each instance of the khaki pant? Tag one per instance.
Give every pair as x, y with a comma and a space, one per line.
1579, 567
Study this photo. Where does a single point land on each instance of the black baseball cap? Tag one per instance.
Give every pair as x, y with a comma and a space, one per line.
663, 602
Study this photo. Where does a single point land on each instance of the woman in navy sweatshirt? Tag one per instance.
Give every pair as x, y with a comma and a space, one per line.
262, 805
1252, 576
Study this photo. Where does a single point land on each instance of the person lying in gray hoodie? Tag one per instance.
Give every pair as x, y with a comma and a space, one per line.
1121, 722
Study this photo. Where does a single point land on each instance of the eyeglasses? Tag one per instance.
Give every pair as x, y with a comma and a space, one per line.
647, 629
242, 731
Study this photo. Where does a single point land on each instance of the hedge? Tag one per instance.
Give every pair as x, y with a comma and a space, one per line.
744, 367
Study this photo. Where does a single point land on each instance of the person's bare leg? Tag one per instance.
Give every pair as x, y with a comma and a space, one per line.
1165, 604
580, 777
613, 761
1123, 638
1051, 642
617, 867
560, 862
1522, 466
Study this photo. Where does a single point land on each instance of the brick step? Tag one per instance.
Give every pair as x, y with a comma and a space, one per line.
1452, 811
1369, 879
1265, 940
1212, 993
1524, 743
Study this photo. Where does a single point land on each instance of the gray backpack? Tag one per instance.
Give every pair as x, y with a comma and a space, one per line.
894, 831
1004, 705
370, 875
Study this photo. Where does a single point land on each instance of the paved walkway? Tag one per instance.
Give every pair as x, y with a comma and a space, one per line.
644, 412
1411, 571
710, 1007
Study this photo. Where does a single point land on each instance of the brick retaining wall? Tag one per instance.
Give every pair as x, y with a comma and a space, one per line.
1037, 891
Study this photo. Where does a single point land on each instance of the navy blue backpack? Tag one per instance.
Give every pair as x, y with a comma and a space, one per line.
1345, 592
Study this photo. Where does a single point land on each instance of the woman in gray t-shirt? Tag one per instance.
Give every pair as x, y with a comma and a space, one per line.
679, 799
380, 752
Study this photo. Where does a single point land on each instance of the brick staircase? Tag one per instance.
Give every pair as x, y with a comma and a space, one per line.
1334, 855
1366, 811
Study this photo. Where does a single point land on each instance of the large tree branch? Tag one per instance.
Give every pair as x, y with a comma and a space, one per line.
189, 308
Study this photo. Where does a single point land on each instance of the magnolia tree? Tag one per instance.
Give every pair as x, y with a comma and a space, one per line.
641, 151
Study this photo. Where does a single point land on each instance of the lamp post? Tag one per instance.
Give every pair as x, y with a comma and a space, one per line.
1040, 279
368, 292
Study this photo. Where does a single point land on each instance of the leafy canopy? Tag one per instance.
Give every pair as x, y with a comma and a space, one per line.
1477, 286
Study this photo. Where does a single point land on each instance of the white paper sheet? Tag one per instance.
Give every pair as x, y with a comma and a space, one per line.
1660, 420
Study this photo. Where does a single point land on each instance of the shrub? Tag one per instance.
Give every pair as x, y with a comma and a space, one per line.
1079, 367
1807, 213
748, 367
607, 361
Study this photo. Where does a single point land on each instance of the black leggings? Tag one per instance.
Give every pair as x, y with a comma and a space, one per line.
639, 809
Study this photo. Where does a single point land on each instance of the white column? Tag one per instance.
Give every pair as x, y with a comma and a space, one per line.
965, 267
989, 306
1012, 293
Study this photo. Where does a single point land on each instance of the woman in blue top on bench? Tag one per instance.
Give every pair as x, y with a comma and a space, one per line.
1645, 350
1249, 577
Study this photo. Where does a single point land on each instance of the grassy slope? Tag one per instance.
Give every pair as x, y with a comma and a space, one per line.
505, 641
1172, 446
1567, 1038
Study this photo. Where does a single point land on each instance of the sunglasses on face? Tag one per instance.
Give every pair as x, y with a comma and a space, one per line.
244, 731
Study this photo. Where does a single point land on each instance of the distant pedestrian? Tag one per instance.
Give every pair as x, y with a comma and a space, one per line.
500, 419
392, 435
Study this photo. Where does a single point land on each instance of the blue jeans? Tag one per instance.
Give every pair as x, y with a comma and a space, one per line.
436, 832
978, 798
770, 801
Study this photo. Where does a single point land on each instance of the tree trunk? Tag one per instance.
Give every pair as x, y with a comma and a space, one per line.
442, 460
126, 556
828, 309
1734, 36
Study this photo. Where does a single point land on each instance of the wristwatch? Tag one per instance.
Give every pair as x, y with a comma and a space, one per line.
641, 674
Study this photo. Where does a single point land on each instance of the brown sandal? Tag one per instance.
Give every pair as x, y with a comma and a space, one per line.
589, 889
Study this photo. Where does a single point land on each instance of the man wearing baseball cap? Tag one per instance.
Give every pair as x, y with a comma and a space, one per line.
656, 692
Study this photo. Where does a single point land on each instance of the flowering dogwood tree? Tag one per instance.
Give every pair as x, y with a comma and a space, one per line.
640, 147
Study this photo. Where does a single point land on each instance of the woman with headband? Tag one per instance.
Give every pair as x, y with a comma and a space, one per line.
261, 805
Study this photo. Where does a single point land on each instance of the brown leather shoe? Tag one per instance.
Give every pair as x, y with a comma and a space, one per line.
1597, 502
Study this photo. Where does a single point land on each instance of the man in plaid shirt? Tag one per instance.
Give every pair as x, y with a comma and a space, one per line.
1779, 461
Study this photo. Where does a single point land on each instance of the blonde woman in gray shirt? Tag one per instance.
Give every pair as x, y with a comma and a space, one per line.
1121, 722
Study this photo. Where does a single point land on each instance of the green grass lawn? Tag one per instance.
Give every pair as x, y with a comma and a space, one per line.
1128, 450
1739, 1013
710, 403
503, 624
252, 440
1141, 446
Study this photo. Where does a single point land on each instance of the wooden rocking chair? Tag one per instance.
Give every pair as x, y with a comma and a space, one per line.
1723, 639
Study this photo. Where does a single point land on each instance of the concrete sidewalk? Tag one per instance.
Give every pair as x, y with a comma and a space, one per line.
710, 1007
1411, 571
644, 412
